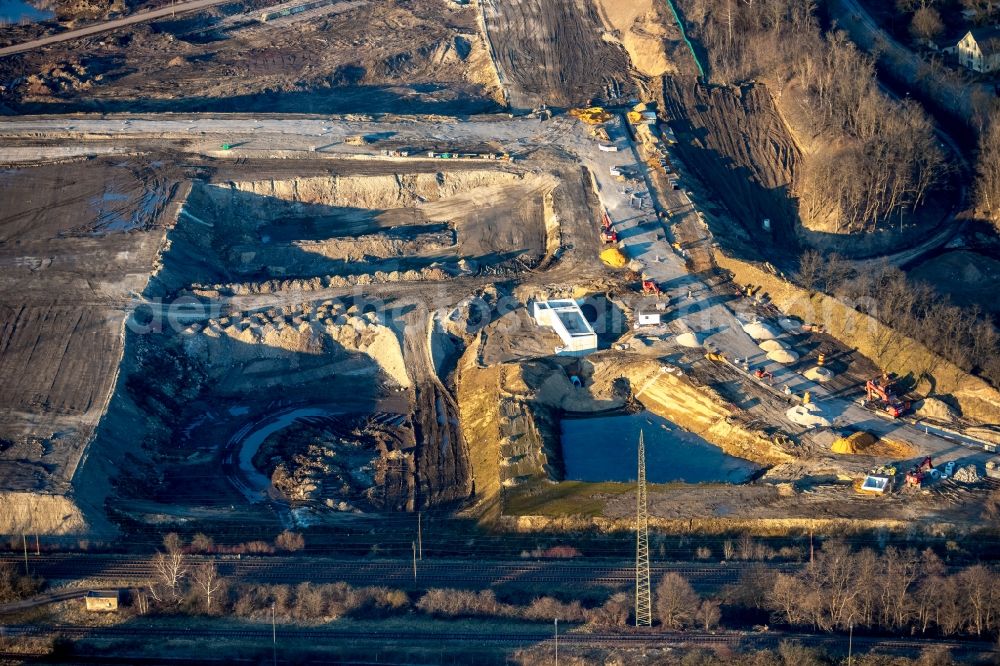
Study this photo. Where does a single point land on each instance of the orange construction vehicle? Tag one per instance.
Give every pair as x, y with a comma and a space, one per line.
915, 477
650, 287
881, 396
609, 235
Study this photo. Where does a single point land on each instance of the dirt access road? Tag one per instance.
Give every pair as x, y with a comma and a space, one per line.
110, 25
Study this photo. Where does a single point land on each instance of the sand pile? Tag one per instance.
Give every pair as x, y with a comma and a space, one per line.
933, 408
818, 374
688, 339
857, 442
222, 344
783, 356
773, 345
759, 331
613, 257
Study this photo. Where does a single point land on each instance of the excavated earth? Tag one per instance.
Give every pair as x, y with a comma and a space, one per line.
74, 245
349, 57
735, 139
285, 349
552, 52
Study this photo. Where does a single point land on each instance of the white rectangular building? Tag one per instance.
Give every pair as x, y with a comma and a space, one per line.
648, 318
567, 320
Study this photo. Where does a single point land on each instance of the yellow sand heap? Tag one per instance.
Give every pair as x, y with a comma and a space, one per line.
593, 115
613, 257
854, 443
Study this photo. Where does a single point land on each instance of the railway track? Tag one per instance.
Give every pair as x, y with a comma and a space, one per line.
649, 639
387, 572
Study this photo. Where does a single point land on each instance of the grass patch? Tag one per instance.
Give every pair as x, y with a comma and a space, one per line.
566, 498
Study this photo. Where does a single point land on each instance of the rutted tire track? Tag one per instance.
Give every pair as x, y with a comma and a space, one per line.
551, 52
735, 141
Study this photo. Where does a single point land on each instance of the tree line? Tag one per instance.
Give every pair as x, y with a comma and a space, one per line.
965, 336
880, 156
898, 591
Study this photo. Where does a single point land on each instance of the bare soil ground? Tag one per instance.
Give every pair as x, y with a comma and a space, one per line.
553, 53
735, 140
378, 56
73, 243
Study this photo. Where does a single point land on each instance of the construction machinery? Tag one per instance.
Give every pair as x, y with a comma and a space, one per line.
915, 476
593, 115
882, 397
609, 236
650, 287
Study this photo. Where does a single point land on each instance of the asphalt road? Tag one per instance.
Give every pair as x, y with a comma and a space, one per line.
109, 25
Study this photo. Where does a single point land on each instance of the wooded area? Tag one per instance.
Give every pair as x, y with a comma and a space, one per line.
877, 156
964, 336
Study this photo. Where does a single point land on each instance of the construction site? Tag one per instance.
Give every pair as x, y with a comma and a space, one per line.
299, 266
469, 303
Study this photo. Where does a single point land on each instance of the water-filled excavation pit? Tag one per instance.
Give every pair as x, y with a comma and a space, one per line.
605, 448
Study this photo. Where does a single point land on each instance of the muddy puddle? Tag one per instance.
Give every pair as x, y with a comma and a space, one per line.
606, 448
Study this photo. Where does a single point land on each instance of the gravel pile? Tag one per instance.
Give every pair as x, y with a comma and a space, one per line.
967, 474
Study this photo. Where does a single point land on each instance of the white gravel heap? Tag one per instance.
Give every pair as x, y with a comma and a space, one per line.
808, 415
818, 374
773, 345
688, 340
759, 330
783, 356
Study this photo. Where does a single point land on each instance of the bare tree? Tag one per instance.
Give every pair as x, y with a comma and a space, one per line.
988, 170
169, 570
207, 581
810, 269
676, 602
709, 614
291, 541
172, 542
926, 24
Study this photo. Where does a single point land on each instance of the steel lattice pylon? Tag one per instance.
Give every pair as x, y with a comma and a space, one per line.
643, 598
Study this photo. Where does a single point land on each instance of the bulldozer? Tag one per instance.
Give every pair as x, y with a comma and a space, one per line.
593, 115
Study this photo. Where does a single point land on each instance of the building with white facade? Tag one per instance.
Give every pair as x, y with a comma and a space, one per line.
567, 320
